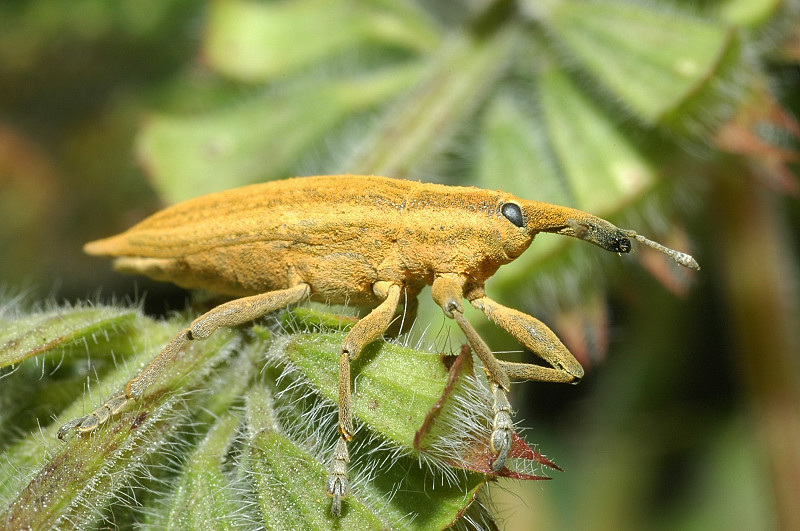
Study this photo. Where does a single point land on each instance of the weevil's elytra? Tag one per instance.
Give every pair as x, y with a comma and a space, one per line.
365, 240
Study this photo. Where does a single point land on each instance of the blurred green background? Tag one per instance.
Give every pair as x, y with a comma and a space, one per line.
673, 118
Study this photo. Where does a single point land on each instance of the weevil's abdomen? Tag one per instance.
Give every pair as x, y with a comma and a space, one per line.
236, 270
334, 233
258, 268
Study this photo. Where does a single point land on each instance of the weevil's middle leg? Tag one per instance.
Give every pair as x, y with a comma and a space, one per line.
405, 319
362, 334
231, 313
447, 291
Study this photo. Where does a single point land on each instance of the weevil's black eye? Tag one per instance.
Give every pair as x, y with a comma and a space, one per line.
513, 213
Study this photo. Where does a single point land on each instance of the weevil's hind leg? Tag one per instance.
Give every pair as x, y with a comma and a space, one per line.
365, 331
537, 338
231, 313
448, 291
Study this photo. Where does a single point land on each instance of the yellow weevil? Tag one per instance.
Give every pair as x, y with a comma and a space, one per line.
363, 240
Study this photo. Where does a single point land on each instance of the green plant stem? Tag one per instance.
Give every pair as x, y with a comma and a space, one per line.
459, 74
758, 270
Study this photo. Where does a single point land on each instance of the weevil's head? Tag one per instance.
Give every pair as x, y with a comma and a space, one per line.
512, 223
461, 240
531, 217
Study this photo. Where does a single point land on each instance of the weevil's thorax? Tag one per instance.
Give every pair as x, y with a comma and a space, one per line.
463, 231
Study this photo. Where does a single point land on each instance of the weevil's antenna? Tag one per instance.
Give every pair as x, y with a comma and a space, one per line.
683, 259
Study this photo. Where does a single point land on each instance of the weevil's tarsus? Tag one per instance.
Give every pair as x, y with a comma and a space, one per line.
338, 486
90, 422
683, 259
502, 429
447, 291
541, 341
500, 441
69, 426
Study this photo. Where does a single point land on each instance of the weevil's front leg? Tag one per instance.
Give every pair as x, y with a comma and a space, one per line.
362, 334
447, 291
232, 313
537, 338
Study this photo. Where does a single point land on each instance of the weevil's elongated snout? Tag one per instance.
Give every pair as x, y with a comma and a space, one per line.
570, 222
544, 217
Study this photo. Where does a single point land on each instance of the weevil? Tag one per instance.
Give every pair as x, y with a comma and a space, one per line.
362, 240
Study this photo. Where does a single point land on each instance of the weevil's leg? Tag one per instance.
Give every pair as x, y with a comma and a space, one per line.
537, 338
403, 321
363, 333
112, 406
448, 291
525, 371
231, 313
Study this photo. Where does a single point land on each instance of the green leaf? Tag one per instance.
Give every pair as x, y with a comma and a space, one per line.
186, 433
749, 13
515, 155
384, 461
603, 169
59, 328
257, 41
654, 60
289, 481
259, 139
400, 383
203, 496
107, 457
56, 341
457, 77
207, 490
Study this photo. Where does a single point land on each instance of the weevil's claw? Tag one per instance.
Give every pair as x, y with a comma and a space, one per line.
69, 426
336, 505
338, 486
501, 435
